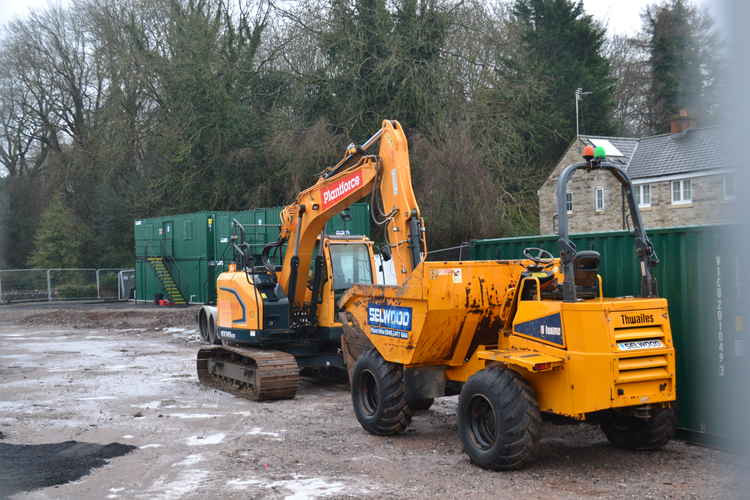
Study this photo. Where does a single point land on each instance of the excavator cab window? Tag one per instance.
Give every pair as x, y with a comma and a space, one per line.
350, 265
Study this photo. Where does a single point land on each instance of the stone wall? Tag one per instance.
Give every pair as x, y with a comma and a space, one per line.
584, 217
708, 205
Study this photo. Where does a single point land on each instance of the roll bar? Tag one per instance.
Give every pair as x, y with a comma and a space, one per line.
644, 249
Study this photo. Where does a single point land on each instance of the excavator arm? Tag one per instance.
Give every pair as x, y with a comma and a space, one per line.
386, 176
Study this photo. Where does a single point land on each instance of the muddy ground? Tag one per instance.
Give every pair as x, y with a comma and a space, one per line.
102, 401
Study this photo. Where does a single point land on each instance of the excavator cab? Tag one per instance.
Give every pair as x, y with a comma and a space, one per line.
348, 260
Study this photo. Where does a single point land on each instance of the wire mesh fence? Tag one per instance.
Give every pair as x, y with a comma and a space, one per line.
25, 285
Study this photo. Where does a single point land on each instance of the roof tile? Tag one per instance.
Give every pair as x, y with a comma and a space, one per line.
693, 150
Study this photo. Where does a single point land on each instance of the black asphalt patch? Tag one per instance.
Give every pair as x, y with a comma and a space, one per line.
28, 467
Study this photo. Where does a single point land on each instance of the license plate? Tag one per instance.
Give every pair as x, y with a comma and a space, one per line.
636, 345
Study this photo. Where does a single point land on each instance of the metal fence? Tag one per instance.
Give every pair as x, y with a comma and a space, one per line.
26, 285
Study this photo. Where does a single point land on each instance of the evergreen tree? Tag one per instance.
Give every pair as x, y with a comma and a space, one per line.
61, 238
684, 52
382, 63
563, 50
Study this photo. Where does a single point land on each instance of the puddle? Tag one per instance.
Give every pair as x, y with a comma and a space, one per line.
299, 487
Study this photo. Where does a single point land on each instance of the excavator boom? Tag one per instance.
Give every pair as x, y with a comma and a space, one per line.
386, 175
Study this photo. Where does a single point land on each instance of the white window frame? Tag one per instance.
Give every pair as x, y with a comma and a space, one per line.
597, 190
569, 202
640, 191
724, 178
683, 200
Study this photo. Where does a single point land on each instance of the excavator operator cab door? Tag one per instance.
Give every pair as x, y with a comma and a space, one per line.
347, 262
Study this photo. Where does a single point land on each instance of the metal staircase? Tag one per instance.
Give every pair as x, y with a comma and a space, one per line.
167, 281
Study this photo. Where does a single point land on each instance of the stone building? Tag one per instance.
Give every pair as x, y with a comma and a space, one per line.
679, 178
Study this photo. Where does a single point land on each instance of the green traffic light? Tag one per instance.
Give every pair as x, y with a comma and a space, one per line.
599, 153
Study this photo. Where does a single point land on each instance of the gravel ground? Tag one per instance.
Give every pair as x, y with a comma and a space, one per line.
114, 390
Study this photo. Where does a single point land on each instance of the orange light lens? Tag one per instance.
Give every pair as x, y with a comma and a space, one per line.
588, 152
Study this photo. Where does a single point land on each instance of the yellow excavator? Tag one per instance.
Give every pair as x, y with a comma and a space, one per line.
273, 321
517, 339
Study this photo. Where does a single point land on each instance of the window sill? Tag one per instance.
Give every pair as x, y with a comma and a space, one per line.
682, 204
645, 208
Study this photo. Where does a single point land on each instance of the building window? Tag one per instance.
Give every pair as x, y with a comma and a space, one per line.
727, 186
569, 202
681, 192
643, 195
599, 198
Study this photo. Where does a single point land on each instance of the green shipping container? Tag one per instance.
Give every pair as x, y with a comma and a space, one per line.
699, 275
196, 247
186, 243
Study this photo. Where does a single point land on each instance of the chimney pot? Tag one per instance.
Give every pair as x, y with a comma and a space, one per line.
681, 122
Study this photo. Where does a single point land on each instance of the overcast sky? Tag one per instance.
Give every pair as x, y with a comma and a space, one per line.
620, 16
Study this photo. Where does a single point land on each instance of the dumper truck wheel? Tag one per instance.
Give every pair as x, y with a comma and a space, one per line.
420, 404
379, 395
630, 432
498, 419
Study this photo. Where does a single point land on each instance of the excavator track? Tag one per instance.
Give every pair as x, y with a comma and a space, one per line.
254, 374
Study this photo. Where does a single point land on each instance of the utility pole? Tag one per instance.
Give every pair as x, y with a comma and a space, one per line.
579, 96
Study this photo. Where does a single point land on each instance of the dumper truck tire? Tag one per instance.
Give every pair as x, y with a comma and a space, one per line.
627, 431
498, 419
379, 395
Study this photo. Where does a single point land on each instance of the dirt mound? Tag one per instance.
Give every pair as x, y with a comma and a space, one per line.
117, 319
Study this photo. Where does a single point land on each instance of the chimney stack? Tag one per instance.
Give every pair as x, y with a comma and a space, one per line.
681, 122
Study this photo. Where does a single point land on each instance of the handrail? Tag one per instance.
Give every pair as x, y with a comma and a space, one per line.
538, 286
171, 264
460, 249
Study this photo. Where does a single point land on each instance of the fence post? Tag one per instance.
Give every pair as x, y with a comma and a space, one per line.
49, 285
98, 290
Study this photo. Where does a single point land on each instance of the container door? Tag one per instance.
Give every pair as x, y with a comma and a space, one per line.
167, 239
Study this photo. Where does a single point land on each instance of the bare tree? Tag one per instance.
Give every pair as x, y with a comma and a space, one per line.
21, 150
631, 72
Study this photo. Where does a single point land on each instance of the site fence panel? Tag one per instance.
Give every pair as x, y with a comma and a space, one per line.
28, 285
18, 285
126, 284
